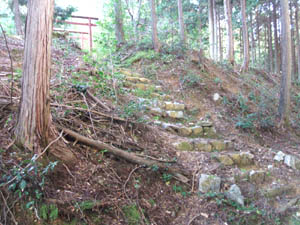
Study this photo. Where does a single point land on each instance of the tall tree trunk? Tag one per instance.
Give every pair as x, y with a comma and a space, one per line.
137, 23
119, 22
284, 102
270, 43
297, 37
216, 53
181, 23
258, 33
245, 65
17, 15
34, 113
253, 50
211, 27
275, 29
220, 37
294, 64
230, 40
155, 41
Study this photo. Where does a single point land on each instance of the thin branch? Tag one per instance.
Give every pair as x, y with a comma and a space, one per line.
129, 176
12, 215
11, 64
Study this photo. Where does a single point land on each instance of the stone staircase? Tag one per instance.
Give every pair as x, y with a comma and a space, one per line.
196, 136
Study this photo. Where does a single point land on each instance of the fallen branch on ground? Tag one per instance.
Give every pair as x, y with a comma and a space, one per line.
126, 155
97, 101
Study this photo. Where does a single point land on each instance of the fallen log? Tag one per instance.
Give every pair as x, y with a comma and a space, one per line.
131, 157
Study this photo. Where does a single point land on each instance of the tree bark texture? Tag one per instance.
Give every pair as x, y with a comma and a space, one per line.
284, 102
34, 112
181, 23
211, 27
119, 30
245, 65
230, 40
155, 41
275, 29
294, 63
17, 15
297, 38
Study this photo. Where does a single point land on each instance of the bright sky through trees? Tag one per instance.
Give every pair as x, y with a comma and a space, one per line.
84, 7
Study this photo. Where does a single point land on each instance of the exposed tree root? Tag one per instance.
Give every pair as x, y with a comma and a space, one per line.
126, 155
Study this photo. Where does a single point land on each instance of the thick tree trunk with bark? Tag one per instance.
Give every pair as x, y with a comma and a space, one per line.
270, 43
294, 64
181, 23
230, 40
284, 102
155, 41
17, 15
297, 38
275, 29
245, 65
34, 113
119, 22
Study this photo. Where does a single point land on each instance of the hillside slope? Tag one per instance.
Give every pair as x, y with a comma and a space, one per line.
208, 127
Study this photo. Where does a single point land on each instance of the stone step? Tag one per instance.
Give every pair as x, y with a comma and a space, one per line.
164, 105
241, 159
129, 73
200, 129
203, 144
152, 95
138, 80
163, 113
143, 86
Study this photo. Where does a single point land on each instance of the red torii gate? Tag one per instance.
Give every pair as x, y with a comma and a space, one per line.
89, 24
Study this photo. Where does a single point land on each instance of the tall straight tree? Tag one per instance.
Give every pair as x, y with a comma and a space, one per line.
155, 41
17, 16
34, 113
119, 22
297, 37
229, 40
181, 23
211, 27
245, 65
275, 29
284, 102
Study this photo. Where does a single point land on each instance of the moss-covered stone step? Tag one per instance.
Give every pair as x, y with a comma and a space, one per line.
129, 73
204, 129
165, 105
203, 144
241, 159
156, 111
143, 86
138, 80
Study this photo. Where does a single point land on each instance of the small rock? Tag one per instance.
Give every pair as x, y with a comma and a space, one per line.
175, 114
173, 106
184, 146
234, 193
209, 132
205, 124
279, 156
209, 183
225, 160
203, 145
185, 131
290, 161
216, 97
243, 159
257, 177
156, 111
218, 145
197, 131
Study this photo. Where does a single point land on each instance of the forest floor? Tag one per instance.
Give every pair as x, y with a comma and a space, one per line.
151, 106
